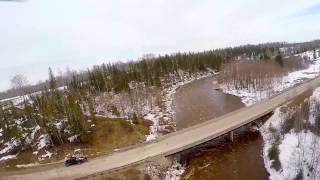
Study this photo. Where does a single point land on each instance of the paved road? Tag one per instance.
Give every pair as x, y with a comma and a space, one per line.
174, 142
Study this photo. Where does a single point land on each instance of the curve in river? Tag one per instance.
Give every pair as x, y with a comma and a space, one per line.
200, 101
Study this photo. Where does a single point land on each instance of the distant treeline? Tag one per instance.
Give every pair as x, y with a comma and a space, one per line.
151, 69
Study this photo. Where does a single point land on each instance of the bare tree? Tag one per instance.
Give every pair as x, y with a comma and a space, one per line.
19, 81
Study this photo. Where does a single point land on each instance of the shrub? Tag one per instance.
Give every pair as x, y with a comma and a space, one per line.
274, 155
135, 119
279, 60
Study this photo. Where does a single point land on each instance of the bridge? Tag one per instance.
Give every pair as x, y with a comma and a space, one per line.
174, 142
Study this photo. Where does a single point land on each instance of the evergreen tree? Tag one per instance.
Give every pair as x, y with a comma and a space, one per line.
279, 59
52, 80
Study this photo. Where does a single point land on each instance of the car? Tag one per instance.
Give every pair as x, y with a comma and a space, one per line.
74, 160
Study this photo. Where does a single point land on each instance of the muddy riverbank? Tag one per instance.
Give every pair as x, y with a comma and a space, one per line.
201, 101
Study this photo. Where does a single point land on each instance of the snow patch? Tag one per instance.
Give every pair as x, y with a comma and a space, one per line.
175, 171
73, 138
44, 141
27, 165
9, 146
9, 157
47, 155
314, 106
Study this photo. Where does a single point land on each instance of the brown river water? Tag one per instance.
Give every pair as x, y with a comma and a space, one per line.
241, 160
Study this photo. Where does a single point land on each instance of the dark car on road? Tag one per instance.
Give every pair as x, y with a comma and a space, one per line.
73, 160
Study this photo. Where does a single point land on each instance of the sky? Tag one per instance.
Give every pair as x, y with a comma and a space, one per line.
76, 34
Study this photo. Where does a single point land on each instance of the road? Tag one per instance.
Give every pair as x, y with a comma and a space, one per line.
174, 142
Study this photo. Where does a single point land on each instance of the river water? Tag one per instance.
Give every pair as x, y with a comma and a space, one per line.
241, 160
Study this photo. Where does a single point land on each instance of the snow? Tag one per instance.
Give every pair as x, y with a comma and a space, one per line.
9, 157
44, 141
314, 101
35, 130
73, 138
9, 146
175, 171
153, 128
59, 125
298, 151
47, 155
77, 150
17, 101
27, 165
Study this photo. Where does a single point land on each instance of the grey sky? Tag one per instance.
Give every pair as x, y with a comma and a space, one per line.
36, 34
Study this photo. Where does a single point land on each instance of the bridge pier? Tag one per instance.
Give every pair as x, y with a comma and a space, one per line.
231, 136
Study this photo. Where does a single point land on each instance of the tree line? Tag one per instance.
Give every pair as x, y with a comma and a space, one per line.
61, 113
162, 65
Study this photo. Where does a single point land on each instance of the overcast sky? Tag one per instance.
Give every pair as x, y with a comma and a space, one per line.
36, 34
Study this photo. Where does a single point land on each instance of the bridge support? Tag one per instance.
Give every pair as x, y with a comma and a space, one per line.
231, 137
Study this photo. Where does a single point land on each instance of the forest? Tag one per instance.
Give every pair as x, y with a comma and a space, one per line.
64, 106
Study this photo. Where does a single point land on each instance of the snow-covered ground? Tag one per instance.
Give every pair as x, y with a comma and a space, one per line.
298, 151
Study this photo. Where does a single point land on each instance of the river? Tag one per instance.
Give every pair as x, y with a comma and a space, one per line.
241, 160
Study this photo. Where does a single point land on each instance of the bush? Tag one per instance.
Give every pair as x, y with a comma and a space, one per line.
274, 155
279, 60
115, 111
135, 119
